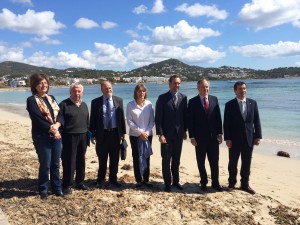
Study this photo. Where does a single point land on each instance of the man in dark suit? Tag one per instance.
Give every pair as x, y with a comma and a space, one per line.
205, 132
242, 131
107, 124
171, 126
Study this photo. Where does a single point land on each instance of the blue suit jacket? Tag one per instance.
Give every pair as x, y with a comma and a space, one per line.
235, 128
169, 118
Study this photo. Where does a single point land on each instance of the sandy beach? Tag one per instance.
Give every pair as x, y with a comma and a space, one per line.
275, 179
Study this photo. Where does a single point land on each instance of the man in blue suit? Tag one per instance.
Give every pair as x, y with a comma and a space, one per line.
242, 130
171, 126
205, 132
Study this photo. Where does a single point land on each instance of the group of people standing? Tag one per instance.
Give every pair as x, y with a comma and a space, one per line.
63, 131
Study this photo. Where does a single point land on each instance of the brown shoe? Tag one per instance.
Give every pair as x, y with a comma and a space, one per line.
230, 188
248, 189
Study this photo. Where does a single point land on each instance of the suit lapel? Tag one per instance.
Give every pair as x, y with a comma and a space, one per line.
248, 108
116, 104
211, 105
170, 99
101, 106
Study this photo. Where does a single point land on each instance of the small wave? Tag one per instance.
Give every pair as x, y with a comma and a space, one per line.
289, 143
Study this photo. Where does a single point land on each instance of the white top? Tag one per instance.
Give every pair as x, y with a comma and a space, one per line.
140, 118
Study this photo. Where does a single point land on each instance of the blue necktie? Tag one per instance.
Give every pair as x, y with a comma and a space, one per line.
108, 115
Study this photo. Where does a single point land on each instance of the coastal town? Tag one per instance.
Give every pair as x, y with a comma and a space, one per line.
13, 74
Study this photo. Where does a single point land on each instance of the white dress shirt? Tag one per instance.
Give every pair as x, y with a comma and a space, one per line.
140, 118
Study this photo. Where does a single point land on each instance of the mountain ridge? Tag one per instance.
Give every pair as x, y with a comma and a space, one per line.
164, 68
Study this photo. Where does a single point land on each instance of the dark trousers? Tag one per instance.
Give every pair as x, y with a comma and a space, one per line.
73, 158
49, 152
211, 149
171, 153
246, 156
136, 160
110, 146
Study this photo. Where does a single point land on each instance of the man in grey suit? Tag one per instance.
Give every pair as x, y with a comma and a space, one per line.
242, 131
171, 126
205, 132
107, 124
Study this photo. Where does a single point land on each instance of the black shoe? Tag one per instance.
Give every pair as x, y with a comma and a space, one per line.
82, 187
248, 189
167, 188
116, 183
217, 187
99, 184
138, 184
67, 191
43, 195
59, 193
178, 186
203, 188
147, 184
230, 188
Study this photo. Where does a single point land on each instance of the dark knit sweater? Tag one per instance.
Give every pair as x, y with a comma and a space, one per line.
76, 118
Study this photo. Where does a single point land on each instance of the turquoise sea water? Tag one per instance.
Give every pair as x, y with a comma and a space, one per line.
278, 101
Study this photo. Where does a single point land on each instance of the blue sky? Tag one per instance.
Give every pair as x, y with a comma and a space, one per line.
126, 34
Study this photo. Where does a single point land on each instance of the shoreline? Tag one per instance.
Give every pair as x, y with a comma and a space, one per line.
266, 147
275, 179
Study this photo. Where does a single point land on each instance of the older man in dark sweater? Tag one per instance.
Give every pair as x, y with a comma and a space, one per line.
74, 139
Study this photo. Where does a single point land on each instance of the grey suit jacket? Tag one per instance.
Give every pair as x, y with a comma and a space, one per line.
169, 118
235, 128
96, 118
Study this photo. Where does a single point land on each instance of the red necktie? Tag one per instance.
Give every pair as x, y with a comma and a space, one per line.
205, 104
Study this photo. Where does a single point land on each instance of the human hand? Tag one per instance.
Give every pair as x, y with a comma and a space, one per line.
57, 135
219, 138
144, 136
256, 141
184, 136
162, 139
93, 140
229, 143
194, 142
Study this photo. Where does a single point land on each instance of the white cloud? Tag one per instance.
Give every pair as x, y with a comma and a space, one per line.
296, 23
85, 23
108, 25
61, 60
24, 2
142, 26
26, 44
10, 54
46, 40
40, 23
109, 55
181, 33
158, 7
132, 33
280, 49
140, 9
141, 54
269, 13
198, 10
103, 55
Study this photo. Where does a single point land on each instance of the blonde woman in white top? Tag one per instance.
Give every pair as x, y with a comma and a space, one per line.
140, 119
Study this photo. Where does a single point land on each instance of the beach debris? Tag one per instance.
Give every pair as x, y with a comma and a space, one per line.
283, 154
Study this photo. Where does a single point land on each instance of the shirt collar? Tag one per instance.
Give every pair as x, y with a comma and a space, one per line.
206, 96
76, 103
241, 100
